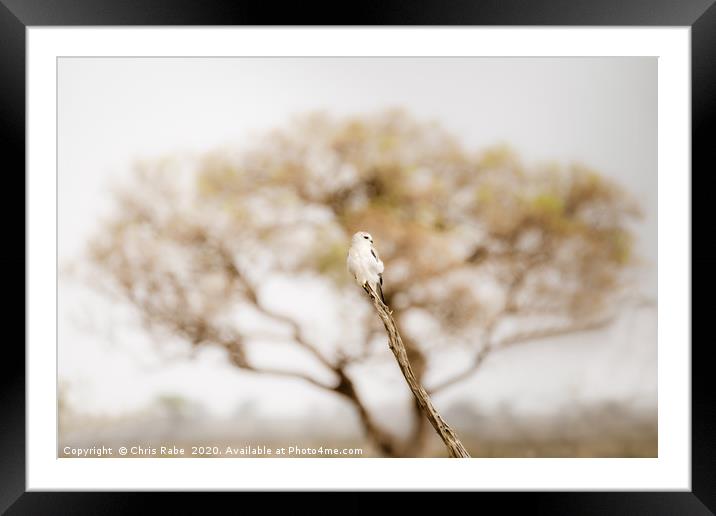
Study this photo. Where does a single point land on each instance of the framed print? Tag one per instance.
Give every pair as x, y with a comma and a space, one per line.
443, 249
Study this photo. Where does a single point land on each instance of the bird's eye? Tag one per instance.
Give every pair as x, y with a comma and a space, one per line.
366, 238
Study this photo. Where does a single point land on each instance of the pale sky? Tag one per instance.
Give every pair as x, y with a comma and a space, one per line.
598, 111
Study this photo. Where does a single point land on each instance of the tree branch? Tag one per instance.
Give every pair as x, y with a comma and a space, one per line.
519, 338
237, 355
252, 297
395, 342
584, 326
513, 289
476, 363
296, 332
288, 374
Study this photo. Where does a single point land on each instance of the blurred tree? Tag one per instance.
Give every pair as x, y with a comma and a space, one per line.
490, 252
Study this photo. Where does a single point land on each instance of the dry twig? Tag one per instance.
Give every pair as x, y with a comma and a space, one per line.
395, 342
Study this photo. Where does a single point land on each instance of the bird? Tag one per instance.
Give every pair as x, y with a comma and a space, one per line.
365, 265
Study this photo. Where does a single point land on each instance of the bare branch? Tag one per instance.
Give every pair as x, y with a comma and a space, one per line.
513, 290
529, 336
289, 374
446, 433
519, 338
296, 331
253, 298
476, 363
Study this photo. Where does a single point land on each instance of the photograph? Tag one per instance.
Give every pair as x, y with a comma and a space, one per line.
357, 257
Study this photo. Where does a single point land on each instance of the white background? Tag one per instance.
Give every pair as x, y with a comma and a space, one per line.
671, 45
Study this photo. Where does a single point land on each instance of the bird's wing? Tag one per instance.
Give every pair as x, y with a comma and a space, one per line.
378, 261
351, 262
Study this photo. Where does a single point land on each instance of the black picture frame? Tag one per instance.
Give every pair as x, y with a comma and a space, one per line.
17, 15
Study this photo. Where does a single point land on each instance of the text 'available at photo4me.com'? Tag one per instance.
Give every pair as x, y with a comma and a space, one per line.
171, 450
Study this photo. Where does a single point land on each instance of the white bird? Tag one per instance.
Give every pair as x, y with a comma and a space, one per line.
364, 263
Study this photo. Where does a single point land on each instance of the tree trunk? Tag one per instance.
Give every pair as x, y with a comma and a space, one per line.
380, 439
418, 440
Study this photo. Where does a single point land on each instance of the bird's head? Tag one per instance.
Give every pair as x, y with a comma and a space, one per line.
362, 237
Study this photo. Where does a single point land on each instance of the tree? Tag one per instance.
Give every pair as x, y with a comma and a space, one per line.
491, 252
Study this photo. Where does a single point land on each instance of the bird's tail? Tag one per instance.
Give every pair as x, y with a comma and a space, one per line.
379, 288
